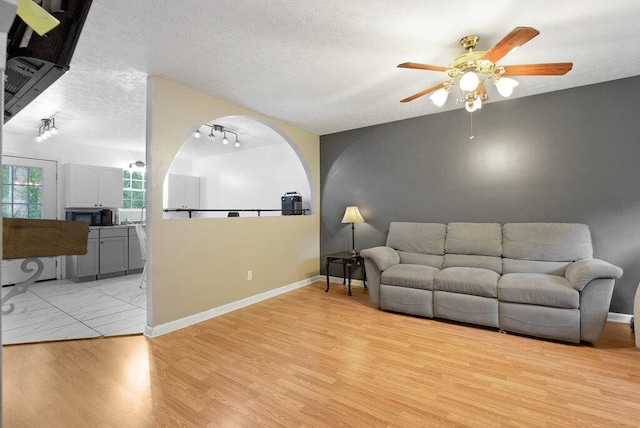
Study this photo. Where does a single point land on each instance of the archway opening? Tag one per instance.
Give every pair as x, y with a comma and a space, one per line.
248, 175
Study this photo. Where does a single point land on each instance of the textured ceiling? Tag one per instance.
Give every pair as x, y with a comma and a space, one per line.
324, 66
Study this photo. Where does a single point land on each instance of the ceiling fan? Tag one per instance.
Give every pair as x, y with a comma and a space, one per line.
469, 71
36, 17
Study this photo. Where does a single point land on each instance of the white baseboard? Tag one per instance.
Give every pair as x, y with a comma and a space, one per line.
619, 318
221, 310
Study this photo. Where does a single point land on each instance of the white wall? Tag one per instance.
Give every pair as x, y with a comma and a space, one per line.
56, 149
250, 179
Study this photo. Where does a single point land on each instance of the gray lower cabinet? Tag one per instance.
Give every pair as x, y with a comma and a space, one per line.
114, 250
87, 265
110, 252
135, 252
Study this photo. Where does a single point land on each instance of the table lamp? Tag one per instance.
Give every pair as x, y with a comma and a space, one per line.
352, 215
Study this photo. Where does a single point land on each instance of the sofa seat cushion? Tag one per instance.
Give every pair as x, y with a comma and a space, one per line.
410, 276
467, 280
538, 289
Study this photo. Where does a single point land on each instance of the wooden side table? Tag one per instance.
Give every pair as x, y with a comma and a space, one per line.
348, 260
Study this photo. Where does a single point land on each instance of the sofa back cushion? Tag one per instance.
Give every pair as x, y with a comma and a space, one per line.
544, 247
418, 243
474, 245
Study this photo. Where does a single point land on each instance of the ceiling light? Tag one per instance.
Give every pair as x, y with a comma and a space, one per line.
221, 129
440, 96
46, 129
473, 102
473, 105
469, 81
197, 134
137, 164
505, 85
469, 72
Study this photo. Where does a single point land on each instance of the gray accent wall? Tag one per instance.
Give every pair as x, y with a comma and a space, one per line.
568, 156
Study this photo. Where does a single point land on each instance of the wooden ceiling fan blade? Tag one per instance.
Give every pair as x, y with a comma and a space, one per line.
422, 66
518, 37
549, 69
421, 93
481, 90
36, 17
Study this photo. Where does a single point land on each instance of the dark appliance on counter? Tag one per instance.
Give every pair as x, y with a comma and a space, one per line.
292, 204
94, 218
106, 218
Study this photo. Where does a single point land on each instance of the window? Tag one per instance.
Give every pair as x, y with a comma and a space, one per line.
134, 188
21, 192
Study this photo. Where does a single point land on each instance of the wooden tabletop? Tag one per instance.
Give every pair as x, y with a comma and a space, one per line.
23, 238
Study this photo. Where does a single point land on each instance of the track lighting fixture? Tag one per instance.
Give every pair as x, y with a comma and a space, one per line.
46, 129
221, 129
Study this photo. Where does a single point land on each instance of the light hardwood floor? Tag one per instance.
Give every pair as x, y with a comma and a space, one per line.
310, 358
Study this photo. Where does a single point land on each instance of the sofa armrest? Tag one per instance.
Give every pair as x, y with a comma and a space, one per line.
383, 257
581, 272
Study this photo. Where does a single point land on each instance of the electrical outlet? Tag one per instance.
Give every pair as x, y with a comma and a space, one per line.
249, 275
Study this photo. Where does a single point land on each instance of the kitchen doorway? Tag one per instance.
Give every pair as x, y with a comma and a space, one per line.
29, 190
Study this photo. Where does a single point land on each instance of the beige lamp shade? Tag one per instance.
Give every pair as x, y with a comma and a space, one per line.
352, 215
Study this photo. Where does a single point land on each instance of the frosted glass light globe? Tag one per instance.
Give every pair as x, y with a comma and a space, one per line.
469, 81
505, 86
440, 96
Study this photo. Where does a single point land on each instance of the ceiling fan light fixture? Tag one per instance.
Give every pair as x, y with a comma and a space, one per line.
470, 72
473, 104
505, 85
440, 96
469, 81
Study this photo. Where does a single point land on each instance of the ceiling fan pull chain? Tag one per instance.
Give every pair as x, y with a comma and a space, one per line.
471, 133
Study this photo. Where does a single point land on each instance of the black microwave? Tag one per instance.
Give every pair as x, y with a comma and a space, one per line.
94, 218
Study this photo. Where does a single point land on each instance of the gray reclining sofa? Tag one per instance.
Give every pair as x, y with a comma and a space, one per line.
537, 279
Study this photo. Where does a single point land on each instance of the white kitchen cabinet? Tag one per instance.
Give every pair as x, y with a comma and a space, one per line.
183, 191
89, 186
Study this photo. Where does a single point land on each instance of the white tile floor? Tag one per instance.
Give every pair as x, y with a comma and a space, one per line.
61, 310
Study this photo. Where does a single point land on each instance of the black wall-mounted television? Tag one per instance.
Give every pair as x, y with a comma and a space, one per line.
34, 62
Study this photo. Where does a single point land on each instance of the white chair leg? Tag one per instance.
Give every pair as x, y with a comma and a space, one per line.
144, 275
